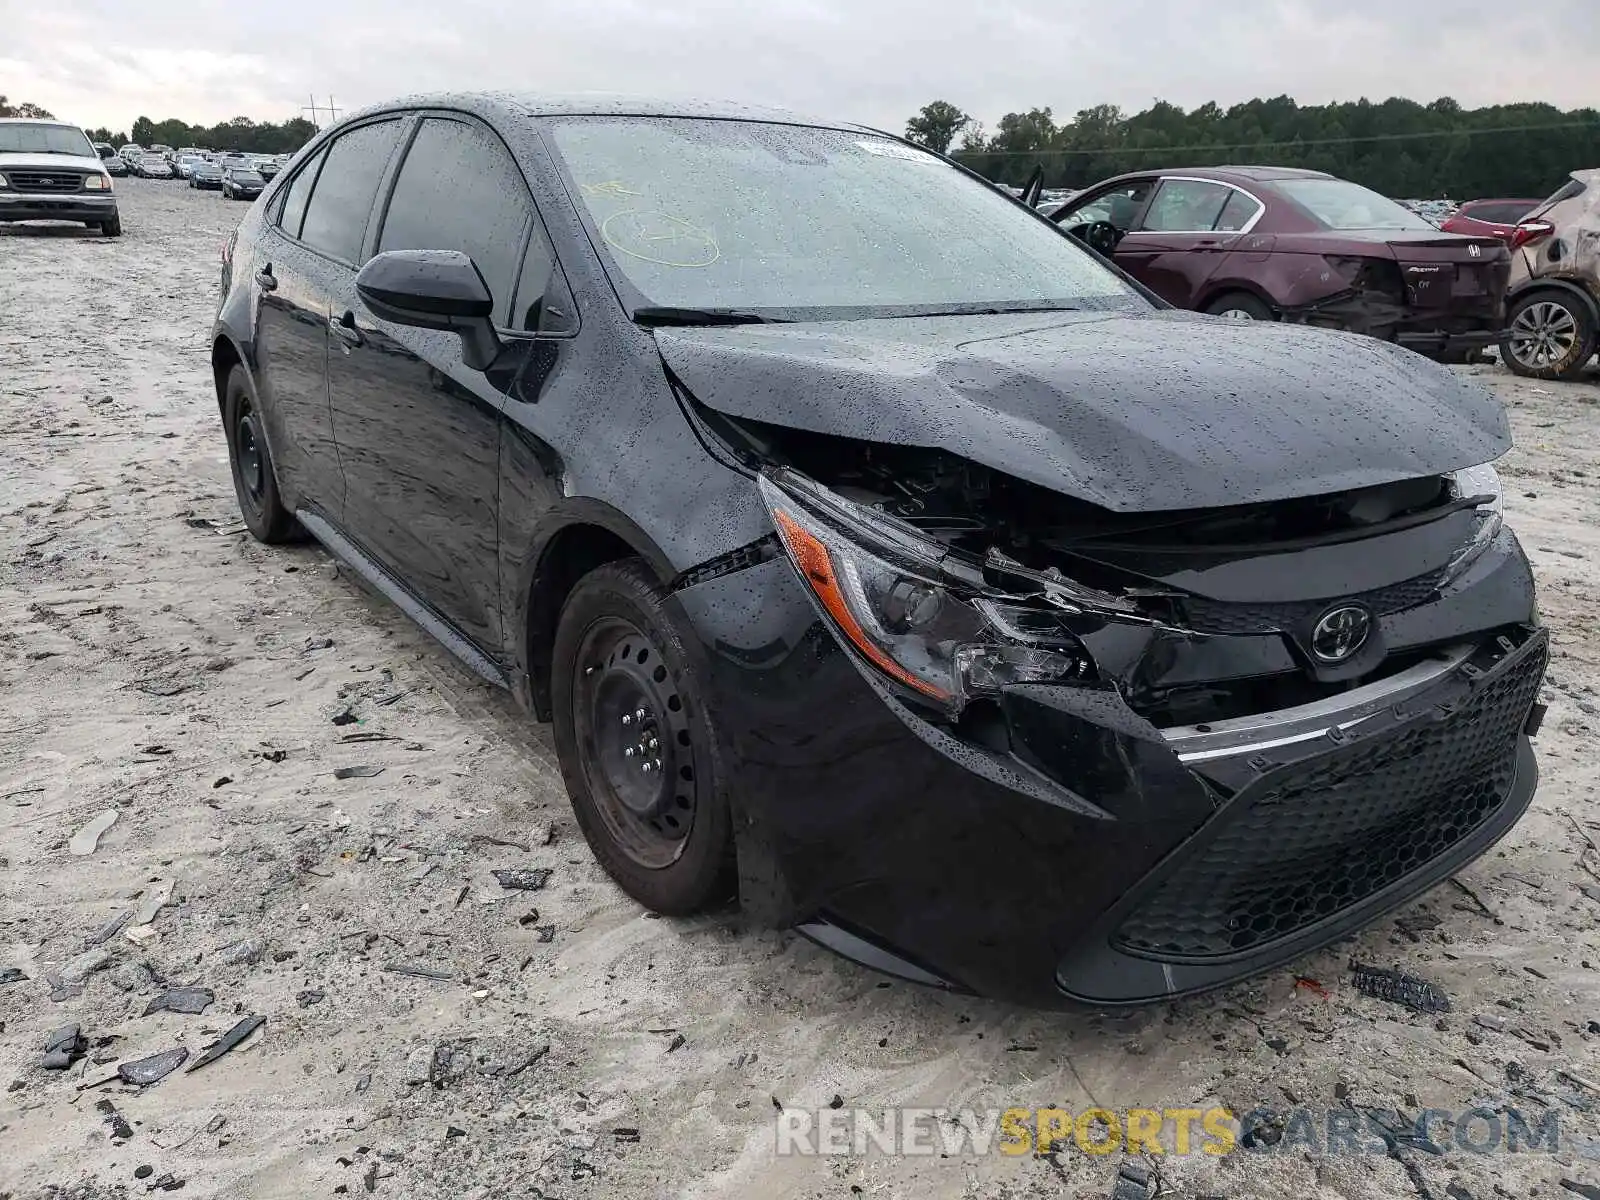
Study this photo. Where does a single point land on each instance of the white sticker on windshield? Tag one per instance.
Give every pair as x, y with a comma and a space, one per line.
895, 150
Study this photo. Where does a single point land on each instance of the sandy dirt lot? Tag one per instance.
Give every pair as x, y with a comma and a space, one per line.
158, 664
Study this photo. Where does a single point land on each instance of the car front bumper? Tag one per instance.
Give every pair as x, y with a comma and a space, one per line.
72, 206
1068, 852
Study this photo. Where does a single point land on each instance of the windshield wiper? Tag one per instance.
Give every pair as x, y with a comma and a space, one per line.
664, 314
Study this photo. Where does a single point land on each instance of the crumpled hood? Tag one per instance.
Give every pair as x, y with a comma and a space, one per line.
21, 161
1133, 412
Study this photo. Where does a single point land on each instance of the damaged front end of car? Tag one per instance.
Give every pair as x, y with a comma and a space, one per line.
1157, 750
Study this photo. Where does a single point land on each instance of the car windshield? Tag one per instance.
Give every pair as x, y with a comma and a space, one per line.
1340, 204
39, 138
242, 175
790, 220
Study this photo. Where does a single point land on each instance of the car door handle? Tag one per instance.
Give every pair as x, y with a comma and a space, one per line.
344, 328
267, 280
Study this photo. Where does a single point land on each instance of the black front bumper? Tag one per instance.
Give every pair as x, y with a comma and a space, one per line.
74, 206
1069, 852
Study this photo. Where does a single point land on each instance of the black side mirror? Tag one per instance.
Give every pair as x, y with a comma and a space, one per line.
433, 289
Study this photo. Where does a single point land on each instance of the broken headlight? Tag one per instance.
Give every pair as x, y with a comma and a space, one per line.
918, 613
1481, 483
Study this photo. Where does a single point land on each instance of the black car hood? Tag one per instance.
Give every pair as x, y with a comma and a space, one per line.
1133, 412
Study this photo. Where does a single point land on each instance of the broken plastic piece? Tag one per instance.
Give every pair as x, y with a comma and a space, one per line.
191, 1000
120, 1129
11, 975
154, 1069
227, 1041
421, 972
524, 879
154, 901
88, 838
110, 929
361, 772
1398, 988
63, 1047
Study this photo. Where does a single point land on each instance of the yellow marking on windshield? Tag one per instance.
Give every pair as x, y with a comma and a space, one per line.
660, 238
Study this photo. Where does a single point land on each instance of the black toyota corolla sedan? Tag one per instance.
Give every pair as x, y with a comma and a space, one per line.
881, 557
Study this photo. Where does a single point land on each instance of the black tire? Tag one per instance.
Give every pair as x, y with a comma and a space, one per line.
1550, 334
662, 832
1242, 305
255, 482
112, 228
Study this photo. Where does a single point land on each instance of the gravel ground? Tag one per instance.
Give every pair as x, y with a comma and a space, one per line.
157, 663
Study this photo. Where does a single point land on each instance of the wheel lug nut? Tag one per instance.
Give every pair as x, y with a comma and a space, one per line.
626, 719
648, 768
655, 744
627, 752
638, 714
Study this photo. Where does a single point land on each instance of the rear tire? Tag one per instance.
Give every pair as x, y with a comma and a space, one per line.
638, 744
1241, 306
1550, 334
255, 481
112, 228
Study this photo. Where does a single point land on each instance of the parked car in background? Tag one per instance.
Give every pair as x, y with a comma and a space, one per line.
49, 171
130, 153
946, 598
206, 175
242, 182
184, 164
153, 166
113, 162
1489, 218
265, 165
1277, 244
1553, 323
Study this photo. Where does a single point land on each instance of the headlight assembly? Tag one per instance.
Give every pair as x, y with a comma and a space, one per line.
919, 614
1470, 483
97, 183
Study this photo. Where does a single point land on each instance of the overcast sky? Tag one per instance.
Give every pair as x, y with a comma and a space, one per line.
104, 62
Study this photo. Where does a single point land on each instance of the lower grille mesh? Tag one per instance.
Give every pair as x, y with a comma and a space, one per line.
1310, 839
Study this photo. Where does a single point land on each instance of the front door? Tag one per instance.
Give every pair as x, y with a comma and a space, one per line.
418, 430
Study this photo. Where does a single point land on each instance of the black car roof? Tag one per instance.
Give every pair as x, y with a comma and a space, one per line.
606, 104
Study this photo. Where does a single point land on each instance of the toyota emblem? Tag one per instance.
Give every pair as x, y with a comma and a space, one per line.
1340, 633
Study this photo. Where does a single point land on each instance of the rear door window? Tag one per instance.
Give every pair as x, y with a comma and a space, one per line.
459, 189
341, 201
1186, 206
1119, 206
1237, 212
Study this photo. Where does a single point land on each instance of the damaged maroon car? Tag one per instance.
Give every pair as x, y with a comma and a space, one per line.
1278, 244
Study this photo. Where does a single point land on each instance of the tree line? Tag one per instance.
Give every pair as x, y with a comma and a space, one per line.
1398, 147
241, 133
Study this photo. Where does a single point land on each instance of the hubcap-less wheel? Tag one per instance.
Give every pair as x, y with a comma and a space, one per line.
252, 472
1237, 314
637, 751
1543, 335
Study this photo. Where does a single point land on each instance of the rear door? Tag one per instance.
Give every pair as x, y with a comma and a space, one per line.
1182, 237
291, 285
419, 431
1120, 206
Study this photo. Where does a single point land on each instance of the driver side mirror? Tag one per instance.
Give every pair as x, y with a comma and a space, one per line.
433, 289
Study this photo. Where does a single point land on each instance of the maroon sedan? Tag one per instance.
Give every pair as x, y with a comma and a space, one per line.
1490, 218
1273, 243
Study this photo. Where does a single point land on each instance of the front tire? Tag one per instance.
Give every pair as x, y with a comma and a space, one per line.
638, 744
255, 482
1240, 306
1549, 335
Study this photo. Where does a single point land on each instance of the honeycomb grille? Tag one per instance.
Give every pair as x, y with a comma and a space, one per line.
1216, 616
1313, 838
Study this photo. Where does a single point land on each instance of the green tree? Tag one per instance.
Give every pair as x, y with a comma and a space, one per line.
937, 125
24, 110
143, 132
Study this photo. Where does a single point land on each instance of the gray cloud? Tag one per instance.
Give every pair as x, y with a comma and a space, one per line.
104, 62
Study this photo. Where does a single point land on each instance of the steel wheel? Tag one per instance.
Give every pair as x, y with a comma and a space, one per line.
1543, 335
636, 746
247, 442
